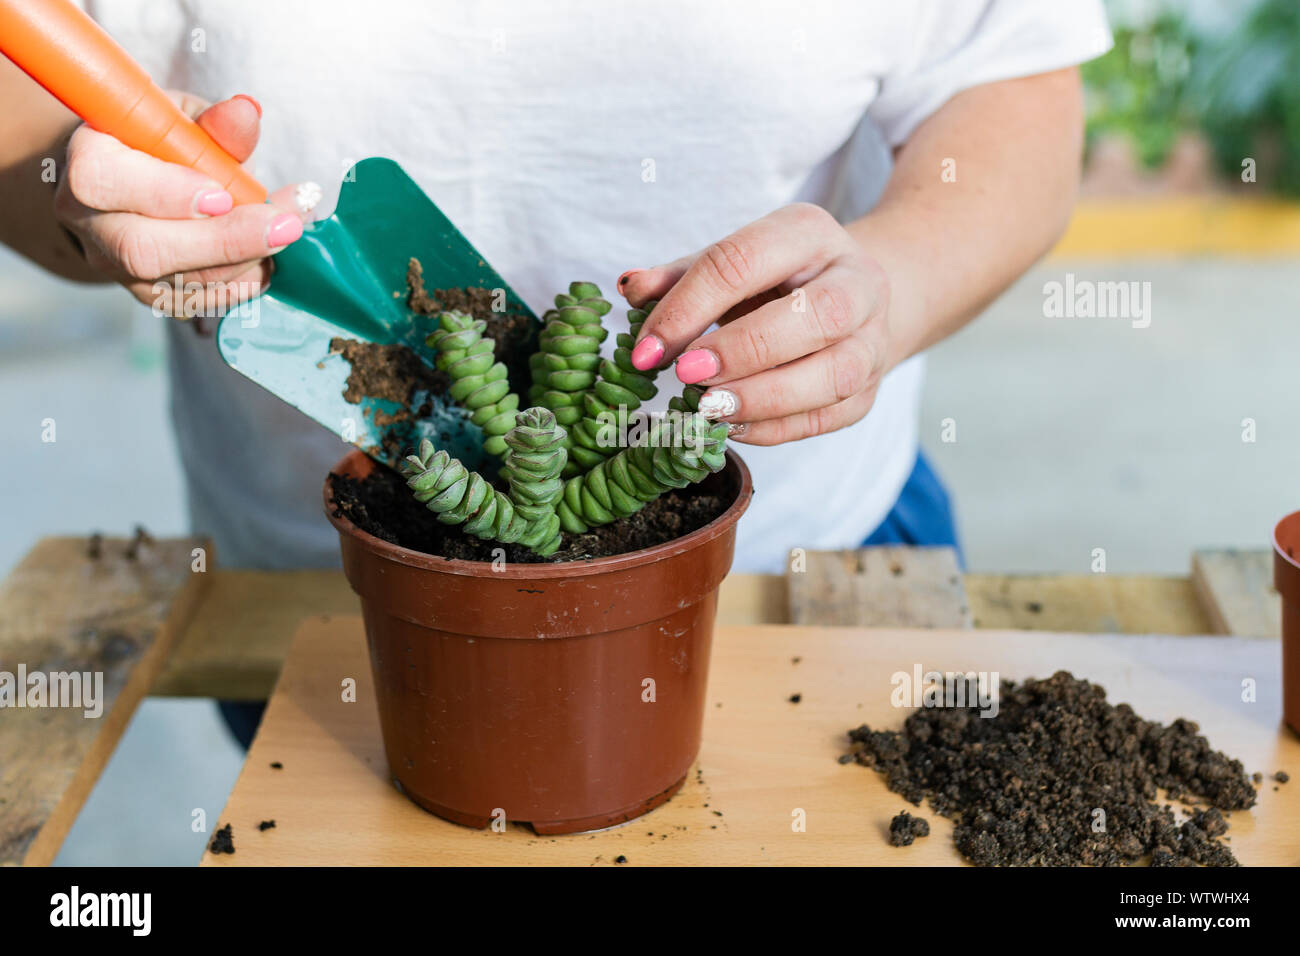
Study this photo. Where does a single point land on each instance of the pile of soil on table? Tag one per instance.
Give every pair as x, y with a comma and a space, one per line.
1024, 786
382, 505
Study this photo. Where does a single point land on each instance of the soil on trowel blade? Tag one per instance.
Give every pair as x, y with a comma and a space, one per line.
382, 505
390, 372
394, 373
509, 330
1061, 777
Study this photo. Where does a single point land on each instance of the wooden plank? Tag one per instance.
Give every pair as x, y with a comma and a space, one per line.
1086, 603
745, 599
878, 587
763, 757
63, 610
236, 644
1236, 590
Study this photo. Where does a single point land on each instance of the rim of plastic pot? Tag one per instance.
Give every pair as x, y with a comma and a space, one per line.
1286, 566
356, 464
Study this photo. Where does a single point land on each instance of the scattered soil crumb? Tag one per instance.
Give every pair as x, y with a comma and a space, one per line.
223, 841
266, 825
620, 859
795, 698
277, 765
905, 828
1257, 777
1281, 776
795, 660
1025, 787
381, 504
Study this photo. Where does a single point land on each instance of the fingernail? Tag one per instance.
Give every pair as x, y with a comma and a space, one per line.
306, 197
736, 428
718, 403
622, 280
285, 228
256, 105
214, 202
648, 353
697, 365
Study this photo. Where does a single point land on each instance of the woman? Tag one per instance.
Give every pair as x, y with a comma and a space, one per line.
842, 184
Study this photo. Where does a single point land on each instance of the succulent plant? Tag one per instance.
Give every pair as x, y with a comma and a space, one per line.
676, 453
621, 389
560, 479
568, 352
479, 383
534, 458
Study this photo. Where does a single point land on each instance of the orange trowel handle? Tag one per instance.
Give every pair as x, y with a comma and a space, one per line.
68, 53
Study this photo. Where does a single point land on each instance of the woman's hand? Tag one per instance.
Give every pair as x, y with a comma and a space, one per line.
804, 336
151, 225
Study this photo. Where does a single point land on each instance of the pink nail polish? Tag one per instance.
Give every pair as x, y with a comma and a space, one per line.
697, 365
648, 353
285, 229
214, 202
622, 280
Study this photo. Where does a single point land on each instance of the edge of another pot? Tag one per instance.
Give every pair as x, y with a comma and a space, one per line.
1286, 578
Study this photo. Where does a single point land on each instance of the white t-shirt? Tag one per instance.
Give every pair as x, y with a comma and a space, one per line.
533, 125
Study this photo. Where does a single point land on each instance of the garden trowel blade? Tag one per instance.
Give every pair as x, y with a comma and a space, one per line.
346, 279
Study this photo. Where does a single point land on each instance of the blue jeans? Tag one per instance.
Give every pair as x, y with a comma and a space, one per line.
922, 515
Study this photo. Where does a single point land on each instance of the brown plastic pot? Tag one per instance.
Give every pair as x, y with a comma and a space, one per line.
568, 695
1286, 578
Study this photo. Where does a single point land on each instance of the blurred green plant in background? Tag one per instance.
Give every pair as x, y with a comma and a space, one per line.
1139, 89
1234, 78
1247, 85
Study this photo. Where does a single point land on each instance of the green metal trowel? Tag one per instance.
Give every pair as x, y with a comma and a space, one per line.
346, 279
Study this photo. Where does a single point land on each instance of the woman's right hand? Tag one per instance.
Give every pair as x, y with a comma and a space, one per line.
154, 226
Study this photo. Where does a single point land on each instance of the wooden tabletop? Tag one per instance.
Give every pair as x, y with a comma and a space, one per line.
767, 765
162, 618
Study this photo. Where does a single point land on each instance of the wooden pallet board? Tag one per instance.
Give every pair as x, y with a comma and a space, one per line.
764, 759
1087, 603
63, 610
878, 587
1236, 590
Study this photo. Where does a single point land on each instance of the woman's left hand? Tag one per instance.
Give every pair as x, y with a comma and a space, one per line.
804, 325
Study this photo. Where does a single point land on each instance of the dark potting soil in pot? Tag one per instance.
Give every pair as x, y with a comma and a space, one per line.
381, 504
1024, 786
